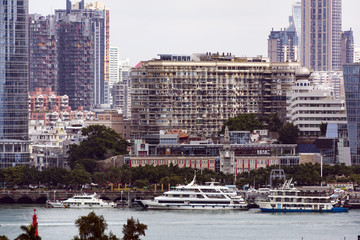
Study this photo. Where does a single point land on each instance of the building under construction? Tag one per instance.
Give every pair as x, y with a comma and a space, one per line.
199, 92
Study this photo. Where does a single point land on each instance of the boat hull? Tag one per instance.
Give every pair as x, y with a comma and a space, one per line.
151, 205
334, 209
50, 204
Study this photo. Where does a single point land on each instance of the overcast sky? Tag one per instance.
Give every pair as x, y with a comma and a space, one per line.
144, 28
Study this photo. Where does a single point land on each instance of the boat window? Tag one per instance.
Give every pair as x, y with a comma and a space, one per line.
215, 196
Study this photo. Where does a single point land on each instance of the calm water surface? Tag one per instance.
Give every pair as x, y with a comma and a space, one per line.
58, 224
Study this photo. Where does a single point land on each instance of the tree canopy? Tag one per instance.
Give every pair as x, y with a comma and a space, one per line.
288, 133
92, 227
242, 122
30, 233
100, 143
132, 230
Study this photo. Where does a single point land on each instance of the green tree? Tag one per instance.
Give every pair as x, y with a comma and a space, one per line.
92, 227
323, 127
79, 176
89, 164
14, 175
141, 183
288, 133
274, 123
4, 238
100, 143
30, 233
242, 122
54, 176
133, 230
114, 175
99, 178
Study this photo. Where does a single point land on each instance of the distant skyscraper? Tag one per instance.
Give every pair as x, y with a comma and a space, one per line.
347, 47
114, 69
352, 86
283, 46
14, 83
296, 18
121, 89
75, 60
43, 52
84, 66
321, 34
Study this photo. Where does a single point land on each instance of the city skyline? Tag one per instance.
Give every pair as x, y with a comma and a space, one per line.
177, 28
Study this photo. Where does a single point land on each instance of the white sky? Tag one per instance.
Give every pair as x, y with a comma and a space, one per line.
144, 28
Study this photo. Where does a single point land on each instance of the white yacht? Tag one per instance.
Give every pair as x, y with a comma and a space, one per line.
290, 199
82, 201
192, 196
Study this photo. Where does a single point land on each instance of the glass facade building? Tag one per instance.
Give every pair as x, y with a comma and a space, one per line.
14, 64
352, 95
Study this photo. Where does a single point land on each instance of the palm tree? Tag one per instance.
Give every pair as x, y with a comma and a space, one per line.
30, 233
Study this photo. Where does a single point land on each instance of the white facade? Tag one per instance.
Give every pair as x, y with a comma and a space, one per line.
309, 106
114, 65
333, 79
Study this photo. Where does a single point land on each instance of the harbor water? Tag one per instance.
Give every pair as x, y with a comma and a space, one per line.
59, 224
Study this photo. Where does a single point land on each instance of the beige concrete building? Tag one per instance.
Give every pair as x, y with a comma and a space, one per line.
114, 120
199, 93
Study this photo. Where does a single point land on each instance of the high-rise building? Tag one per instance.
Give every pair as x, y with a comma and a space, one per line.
352, 86
43, 52
283, 46
347, 47
114, 65
14, 79
84, 53
321, 34
296, 19
200, 93
75, 61
334, 80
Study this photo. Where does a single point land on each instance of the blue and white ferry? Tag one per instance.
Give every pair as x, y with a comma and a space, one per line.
290, 199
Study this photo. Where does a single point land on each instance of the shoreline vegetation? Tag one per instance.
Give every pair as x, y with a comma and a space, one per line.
146, 177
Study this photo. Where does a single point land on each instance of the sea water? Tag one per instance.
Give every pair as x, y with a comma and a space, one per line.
59, 224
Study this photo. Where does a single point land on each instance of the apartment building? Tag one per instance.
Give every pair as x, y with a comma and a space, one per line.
43, 52
310, 106
198, 93
114, 120
283, 46
321, 34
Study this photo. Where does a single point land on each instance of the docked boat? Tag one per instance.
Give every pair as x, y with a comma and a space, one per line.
55, 204
352, 200
211, 196
290, 199
82, 201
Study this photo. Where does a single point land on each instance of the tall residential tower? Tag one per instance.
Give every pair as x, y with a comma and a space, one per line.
321, 34
14, 80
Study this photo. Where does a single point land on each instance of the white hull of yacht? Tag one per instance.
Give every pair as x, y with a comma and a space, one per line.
153, 205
